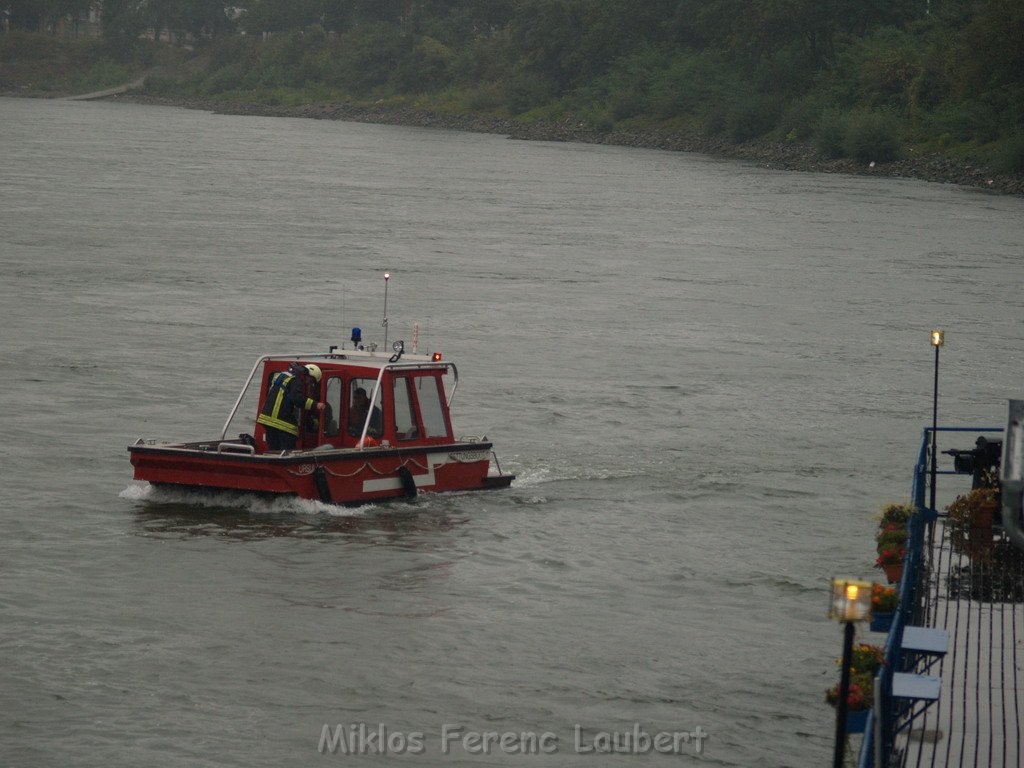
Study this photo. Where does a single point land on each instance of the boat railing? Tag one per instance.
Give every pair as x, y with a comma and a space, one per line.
497, 464
241, 395
400, 366
890, 715
369, 411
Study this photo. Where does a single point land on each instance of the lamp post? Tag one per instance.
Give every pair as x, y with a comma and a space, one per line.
938, 339
851, 602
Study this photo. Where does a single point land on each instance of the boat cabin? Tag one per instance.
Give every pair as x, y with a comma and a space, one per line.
371, 400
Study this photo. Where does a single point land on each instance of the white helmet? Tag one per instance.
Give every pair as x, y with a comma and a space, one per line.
314, 371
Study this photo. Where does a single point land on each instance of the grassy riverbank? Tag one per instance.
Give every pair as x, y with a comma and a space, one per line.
886, 92
47, 66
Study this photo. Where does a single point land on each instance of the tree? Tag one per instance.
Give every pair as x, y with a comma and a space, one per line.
40, 14
203, 18
281, 15
123, 22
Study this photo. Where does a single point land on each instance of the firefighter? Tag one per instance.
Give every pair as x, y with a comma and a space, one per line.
357, 415
285, 402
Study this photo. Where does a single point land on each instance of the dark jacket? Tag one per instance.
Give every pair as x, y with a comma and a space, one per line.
286, 399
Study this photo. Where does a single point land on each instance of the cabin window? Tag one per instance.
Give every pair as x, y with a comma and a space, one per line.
431, 406
405, 417
359, 392
332, 414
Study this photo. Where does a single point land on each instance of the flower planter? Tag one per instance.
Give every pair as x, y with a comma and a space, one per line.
980, 545
880, 622
983, 516
969, 521
857, 721
893, 572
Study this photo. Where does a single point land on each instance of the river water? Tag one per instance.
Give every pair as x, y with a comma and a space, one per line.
707, 376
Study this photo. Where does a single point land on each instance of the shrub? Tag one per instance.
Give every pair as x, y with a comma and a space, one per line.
425, 67
369, 58
20, 45
102, 74
873, 136
799, 117
752, 117
1011, 157
270, 77
625, 103
964, 121
524, 91
830, 137
715, 120
689, 82
485, 97
225, 79
159, 85
597, 119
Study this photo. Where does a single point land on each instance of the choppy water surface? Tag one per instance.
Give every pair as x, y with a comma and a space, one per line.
707, 376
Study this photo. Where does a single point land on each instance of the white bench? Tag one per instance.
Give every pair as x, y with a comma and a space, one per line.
927, 641
917, 687
921, 641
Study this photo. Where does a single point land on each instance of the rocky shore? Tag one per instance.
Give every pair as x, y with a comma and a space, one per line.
791, 156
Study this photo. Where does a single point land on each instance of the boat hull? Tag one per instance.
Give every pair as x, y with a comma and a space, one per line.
343, 476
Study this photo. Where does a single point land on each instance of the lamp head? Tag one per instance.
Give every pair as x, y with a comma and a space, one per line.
851, 600
938, 338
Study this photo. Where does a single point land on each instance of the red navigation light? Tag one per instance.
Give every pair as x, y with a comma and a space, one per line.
437, 356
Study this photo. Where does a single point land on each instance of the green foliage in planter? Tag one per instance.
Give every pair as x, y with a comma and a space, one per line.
860, 696
884, 599
895, 513
891, 536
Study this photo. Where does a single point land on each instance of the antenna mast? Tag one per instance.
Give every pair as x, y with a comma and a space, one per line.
387, 276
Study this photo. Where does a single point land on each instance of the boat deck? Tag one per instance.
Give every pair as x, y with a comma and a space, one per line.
978, 597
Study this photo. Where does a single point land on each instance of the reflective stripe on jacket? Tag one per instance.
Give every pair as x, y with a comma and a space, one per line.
284, 399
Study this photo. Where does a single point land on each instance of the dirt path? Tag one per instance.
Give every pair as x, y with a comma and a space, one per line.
136, 83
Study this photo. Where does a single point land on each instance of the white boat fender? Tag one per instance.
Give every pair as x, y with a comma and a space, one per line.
408, 482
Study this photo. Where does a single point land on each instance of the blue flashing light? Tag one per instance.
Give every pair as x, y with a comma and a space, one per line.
357, 335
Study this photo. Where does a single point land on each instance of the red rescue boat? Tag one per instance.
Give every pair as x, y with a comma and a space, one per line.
347, 453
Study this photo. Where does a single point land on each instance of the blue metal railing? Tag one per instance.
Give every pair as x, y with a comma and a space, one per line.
884, 719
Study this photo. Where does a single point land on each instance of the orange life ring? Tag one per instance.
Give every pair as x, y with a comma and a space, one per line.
367, 442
